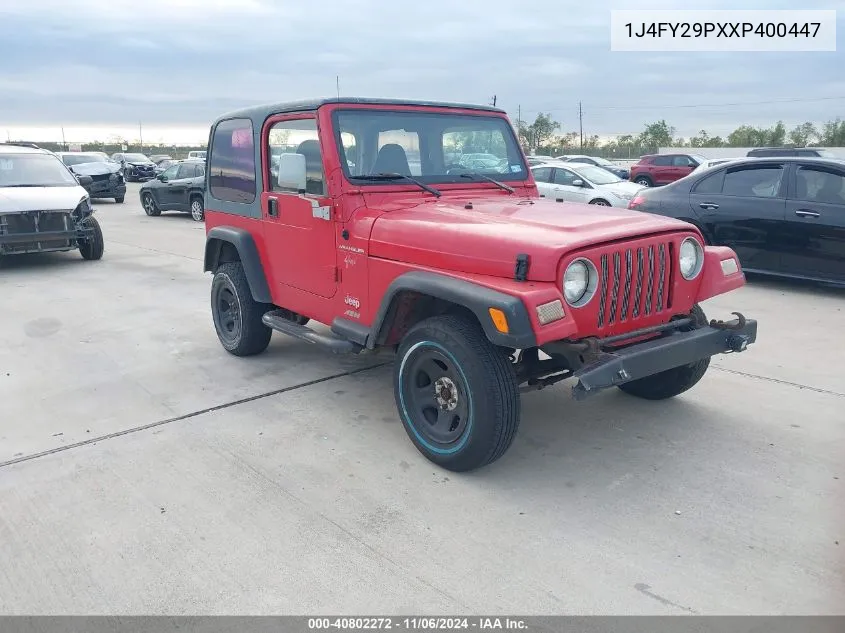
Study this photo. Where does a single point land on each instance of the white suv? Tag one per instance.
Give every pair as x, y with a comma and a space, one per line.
43, 206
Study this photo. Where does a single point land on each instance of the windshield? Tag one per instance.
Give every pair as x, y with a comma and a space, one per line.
34, 170
596, 175
78, 159
431, 147
136, 158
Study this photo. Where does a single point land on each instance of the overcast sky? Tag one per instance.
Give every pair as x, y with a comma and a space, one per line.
101, 66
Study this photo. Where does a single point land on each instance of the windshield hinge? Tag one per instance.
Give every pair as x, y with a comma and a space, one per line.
520, 272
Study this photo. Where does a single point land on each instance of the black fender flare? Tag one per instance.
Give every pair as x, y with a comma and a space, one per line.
244, 244
478, 299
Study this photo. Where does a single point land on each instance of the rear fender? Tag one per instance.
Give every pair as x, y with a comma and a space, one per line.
244, 246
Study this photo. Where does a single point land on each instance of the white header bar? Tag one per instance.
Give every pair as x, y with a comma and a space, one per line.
723, 30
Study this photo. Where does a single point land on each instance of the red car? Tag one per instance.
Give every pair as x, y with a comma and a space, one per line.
362, 218
661, 169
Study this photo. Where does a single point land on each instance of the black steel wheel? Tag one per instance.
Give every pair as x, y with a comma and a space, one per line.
456, 393
236, 315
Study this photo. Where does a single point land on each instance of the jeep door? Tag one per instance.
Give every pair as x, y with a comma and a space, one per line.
178, 188
298, 225
815, 216
160, 187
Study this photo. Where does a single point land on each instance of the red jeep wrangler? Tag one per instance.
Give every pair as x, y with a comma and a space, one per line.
362, 215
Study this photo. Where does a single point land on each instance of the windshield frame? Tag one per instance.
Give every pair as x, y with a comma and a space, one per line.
447, 181
71, 182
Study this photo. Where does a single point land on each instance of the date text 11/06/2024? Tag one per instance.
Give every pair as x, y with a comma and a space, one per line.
417, 623
722, 29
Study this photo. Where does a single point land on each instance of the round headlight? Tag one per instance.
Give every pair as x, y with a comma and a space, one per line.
690, 258
579, 282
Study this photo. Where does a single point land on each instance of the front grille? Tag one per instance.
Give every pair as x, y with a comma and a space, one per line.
32, 224
634, 283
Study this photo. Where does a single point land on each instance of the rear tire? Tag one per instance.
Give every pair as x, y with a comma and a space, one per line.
197, 209
236, 315
92, 249
456, 393
672, 382
600, 202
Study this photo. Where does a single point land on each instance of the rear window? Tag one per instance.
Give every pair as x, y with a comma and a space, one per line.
232, 163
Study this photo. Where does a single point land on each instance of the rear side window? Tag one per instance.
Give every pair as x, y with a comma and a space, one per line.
543, 174
662, 161
754, 182
711, 184
232, 162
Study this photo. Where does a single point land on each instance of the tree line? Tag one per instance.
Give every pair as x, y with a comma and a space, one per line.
543, 137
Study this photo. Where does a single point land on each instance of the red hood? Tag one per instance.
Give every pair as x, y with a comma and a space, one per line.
487, 238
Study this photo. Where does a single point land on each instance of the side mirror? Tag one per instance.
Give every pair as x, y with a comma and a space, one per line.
577, 183
84, 180
291, 172
162, 178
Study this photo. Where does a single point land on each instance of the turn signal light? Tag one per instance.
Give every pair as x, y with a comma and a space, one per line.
499, 320
636, 201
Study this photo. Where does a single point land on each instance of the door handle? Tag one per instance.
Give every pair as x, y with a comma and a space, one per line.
709, 206
273, 207
806, 213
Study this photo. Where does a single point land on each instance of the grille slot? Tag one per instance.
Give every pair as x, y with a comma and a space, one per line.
643, 274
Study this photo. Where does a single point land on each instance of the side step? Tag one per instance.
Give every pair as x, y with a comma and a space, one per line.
337, 345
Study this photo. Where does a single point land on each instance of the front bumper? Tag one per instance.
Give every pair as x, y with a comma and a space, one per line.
62, 232
107, 191
641, 360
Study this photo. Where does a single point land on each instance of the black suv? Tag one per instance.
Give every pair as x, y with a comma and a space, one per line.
135, 167
178, 188
106, 179
764, 152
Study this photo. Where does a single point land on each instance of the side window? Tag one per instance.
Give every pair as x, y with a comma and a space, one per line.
819, 185
543, 174
186, 170
681, 161
171, 172
392, 144
711, 184
581, 160
662, 161
232, 162
564, 177
199, 170
755, 182
298, 136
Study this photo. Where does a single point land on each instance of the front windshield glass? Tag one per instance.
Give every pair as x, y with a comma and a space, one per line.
431, 147
78, 159
34, 170
136, 158
597, 175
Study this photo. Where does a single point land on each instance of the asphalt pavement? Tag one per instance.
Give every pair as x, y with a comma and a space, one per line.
143, 470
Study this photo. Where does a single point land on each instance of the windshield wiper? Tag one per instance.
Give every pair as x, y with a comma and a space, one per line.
422, 185
26, 185
500, 185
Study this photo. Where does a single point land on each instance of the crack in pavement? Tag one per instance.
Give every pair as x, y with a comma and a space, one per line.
155, 250
187, 416
780, 381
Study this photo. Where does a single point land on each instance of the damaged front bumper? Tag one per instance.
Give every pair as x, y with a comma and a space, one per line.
42, 231
672, 349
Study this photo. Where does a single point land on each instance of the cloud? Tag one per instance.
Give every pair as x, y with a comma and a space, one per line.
183, 62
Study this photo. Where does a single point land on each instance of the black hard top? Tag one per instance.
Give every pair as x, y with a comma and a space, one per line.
261, 112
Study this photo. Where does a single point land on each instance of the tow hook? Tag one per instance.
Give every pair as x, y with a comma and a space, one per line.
735, 324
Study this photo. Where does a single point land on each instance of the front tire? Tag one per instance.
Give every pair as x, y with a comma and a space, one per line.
675, 381
120, 199
456, 393
600, 202
150, 206
643, 181
236, 315
92, 249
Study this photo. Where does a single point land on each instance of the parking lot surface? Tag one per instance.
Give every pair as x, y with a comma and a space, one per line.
145, 470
